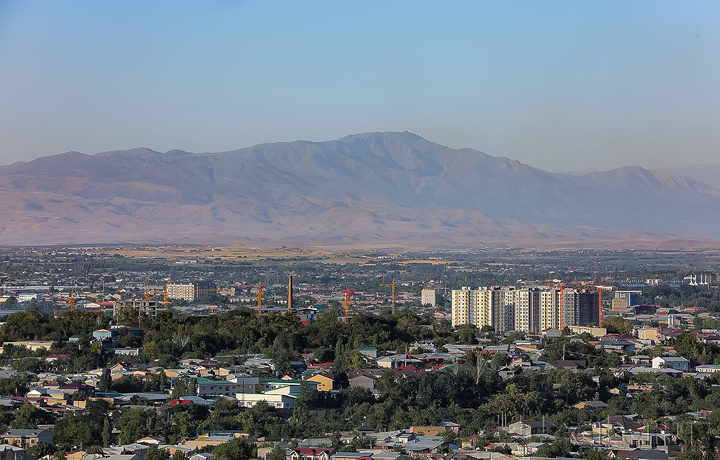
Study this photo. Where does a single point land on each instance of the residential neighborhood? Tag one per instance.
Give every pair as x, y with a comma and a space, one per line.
132, 375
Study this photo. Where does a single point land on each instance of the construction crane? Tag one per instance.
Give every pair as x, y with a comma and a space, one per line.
587, 285
72, 299
165, 296
393, 286
259, 297
348, 293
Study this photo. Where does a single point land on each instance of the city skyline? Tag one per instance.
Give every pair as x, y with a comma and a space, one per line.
561, 86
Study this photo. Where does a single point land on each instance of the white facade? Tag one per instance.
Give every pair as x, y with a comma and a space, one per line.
278, 401
524, 310
181, 291
675, 362
549, 309
27, 297
503, 309
428, 297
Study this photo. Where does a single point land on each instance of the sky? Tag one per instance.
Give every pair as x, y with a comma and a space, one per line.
560, 85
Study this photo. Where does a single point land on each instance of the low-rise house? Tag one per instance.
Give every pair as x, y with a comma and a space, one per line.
312, 453
395, 361
424, 445
428, 430
202, 456
531, 427
640, 440
351, 456
364, 378
570, 363
209, 440
208, 387
707, 368
289, 386
617, 424
127, 351
527, 449
594, 405
324, 381
278, 401
640, 360
368, 352
9, 452
26, 438
674, 362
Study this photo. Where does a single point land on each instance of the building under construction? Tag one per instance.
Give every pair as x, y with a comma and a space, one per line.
148, 307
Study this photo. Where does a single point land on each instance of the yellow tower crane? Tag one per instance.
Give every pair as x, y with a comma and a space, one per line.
393, 286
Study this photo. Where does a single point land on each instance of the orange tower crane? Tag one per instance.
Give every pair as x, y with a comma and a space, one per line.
259, 297
165, 296
72, 299
348, 293
562, 309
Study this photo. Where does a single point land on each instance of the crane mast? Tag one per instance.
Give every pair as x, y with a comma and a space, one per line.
259, 298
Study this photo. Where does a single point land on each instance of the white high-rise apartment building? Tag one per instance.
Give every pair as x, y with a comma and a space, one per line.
527, 310
549, 309
461, 307
503, 309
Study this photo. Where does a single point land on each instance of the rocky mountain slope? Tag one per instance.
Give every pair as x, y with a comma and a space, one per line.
377, 188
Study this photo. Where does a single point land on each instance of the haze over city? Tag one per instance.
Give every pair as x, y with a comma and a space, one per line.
562, 86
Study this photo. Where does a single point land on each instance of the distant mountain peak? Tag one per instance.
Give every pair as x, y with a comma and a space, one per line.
364, 188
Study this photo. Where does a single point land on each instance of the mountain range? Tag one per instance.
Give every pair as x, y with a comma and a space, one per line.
382, 189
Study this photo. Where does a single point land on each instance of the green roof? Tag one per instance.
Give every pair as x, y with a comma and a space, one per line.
204, 381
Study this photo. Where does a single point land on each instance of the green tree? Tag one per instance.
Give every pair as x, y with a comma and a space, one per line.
184, 387
106, 432
72, 430
277, 453
236, 449
617, 325
132, 424
28, 416
156, 454
105, 382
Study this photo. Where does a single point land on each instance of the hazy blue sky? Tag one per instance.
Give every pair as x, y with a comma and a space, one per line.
560, 85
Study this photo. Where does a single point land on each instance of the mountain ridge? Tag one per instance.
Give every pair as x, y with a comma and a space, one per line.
363, 188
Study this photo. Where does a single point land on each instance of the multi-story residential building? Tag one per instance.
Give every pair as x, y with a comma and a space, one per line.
631, 298
549, 309
698, 279
204, 289
525, 310
462, 311
588, 308
181, 291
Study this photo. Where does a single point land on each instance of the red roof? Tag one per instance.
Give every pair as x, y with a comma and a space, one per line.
176, 402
